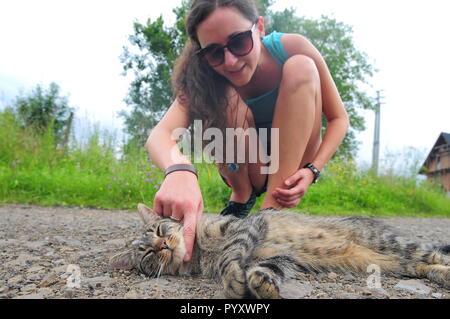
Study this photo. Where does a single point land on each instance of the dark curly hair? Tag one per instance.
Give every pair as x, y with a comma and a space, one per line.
194, 82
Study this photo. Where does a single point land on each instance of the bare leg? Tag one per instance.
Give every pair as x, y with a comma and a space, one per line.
248, 176
297, 115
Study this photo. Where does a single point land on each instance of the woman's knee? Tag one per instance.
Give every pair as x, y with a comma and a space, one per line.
300, 71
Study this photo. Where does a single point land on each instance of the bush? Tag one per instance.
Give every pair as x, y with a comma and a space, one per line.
34, 170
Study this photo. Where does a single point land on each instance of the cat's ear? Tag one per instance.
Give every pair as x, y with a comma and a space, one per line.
123, 260
147, 214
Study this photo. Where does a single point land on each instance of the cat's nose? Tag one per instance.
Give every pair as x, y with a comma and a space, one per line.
163, 245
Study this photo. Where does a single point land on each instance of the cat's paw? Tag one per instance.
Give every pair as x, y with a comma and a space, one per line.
436, 273
262, 284
234, 282
445, 255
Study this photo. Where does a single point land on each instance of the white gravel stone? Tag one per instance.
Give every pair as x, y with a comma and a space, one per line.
88, 237
413, 286
293, 289
15, 280
101, 281
30, 296
332, 275
132, 294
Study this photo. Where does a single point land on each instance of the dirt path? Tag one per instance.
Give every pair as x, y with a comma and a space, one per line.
45, 250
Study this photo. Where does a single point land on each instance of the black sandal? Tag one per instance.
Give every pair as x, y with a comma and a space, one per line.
239, 210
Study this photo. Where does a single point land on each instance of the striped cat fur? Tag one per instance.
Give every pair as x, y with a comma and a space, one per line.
253, 256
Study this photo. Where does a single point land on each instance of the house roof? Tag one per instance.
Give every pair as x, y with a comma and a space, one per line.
444, 138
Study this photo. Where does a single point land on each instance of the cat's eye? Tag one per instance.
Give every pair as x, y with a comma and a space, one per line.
142, 248
159, 232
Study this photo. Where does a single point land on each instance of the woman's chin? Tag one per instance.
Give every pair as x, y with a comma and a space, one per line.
240, 78
239, 83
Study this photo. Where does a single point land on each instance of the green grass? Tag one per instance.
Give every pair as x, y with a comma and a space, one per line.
89, 174
345, 191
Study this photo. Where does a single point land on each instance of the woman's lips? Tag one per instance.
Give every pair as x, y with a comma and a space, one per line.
237, 72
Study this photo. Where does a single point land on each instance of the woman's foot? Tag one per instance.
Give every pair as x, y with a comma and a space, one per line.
240, 210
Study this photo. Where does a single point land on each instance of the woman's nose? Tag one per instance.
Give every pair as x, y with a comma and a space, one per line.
230, 58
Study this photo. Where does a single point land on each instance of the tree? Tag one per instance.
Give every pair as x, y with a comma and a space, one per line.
347, 65
43, 108
150, 92
158, 46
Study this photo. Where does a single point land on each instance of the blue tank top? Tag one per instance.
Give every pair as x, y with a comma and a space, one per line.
263, 106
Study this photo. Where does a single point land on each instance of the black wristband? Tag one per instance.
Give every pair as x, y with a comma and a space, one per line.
180, 167
315, 171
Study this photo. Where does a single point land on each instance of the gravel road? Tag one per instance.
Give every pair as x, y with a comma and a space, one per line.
54, 252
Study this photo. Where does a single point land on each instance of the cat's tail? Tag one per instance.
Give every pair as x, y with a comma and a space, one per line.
427, 260
427, 253
384, 239
424, 260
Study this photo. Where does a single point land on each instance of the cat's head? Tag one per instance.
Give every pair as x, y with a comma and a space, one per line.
160, 249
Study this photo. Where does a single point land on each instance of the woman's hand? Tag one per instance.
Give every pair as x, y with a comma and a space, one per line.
297, 185
180, 198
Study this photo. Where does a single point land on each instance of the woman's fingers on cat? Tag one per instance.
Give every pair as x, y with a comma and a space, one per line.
176, 215
200, 210
189, 223
167, 209
162, 206
176, 211
158, 206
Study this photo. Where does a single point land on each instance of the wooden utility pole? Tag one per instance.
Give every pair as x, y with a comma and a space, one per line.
68, 130
376, 136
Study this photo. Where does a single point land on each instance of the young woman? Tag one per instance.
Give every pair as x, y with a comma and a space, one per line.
231, 75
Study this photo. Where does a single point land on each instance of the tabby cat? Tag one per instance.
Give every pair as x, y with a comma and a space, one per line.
254, 256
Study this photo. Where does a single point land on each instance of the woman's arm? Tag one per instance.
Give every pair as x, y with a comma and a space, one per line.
161, 145
179, 196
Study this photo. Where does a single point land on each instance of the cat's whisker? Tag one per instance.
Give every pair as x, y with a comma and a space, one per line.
158, 276
278, 245
160, 271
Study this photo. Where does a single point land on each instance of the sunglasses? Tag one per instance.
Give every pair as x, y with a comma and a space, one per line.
239, 44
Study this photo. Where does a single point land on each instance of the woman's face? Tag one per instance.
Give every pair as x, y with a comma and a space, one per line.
217, 28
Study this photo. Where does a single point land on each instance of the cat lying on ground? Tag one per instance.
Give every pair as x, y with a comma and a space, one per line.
253, 256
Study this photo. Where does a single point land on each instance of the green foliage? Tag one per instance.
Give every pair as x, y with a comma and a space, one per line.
158, 46
91, 174
344, 190
19, 145
44, 108
348, 66
33, 170
150, 92
263, 6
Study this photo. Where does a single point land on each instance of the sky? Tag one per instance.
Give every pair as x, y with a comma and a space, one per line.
77, 44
